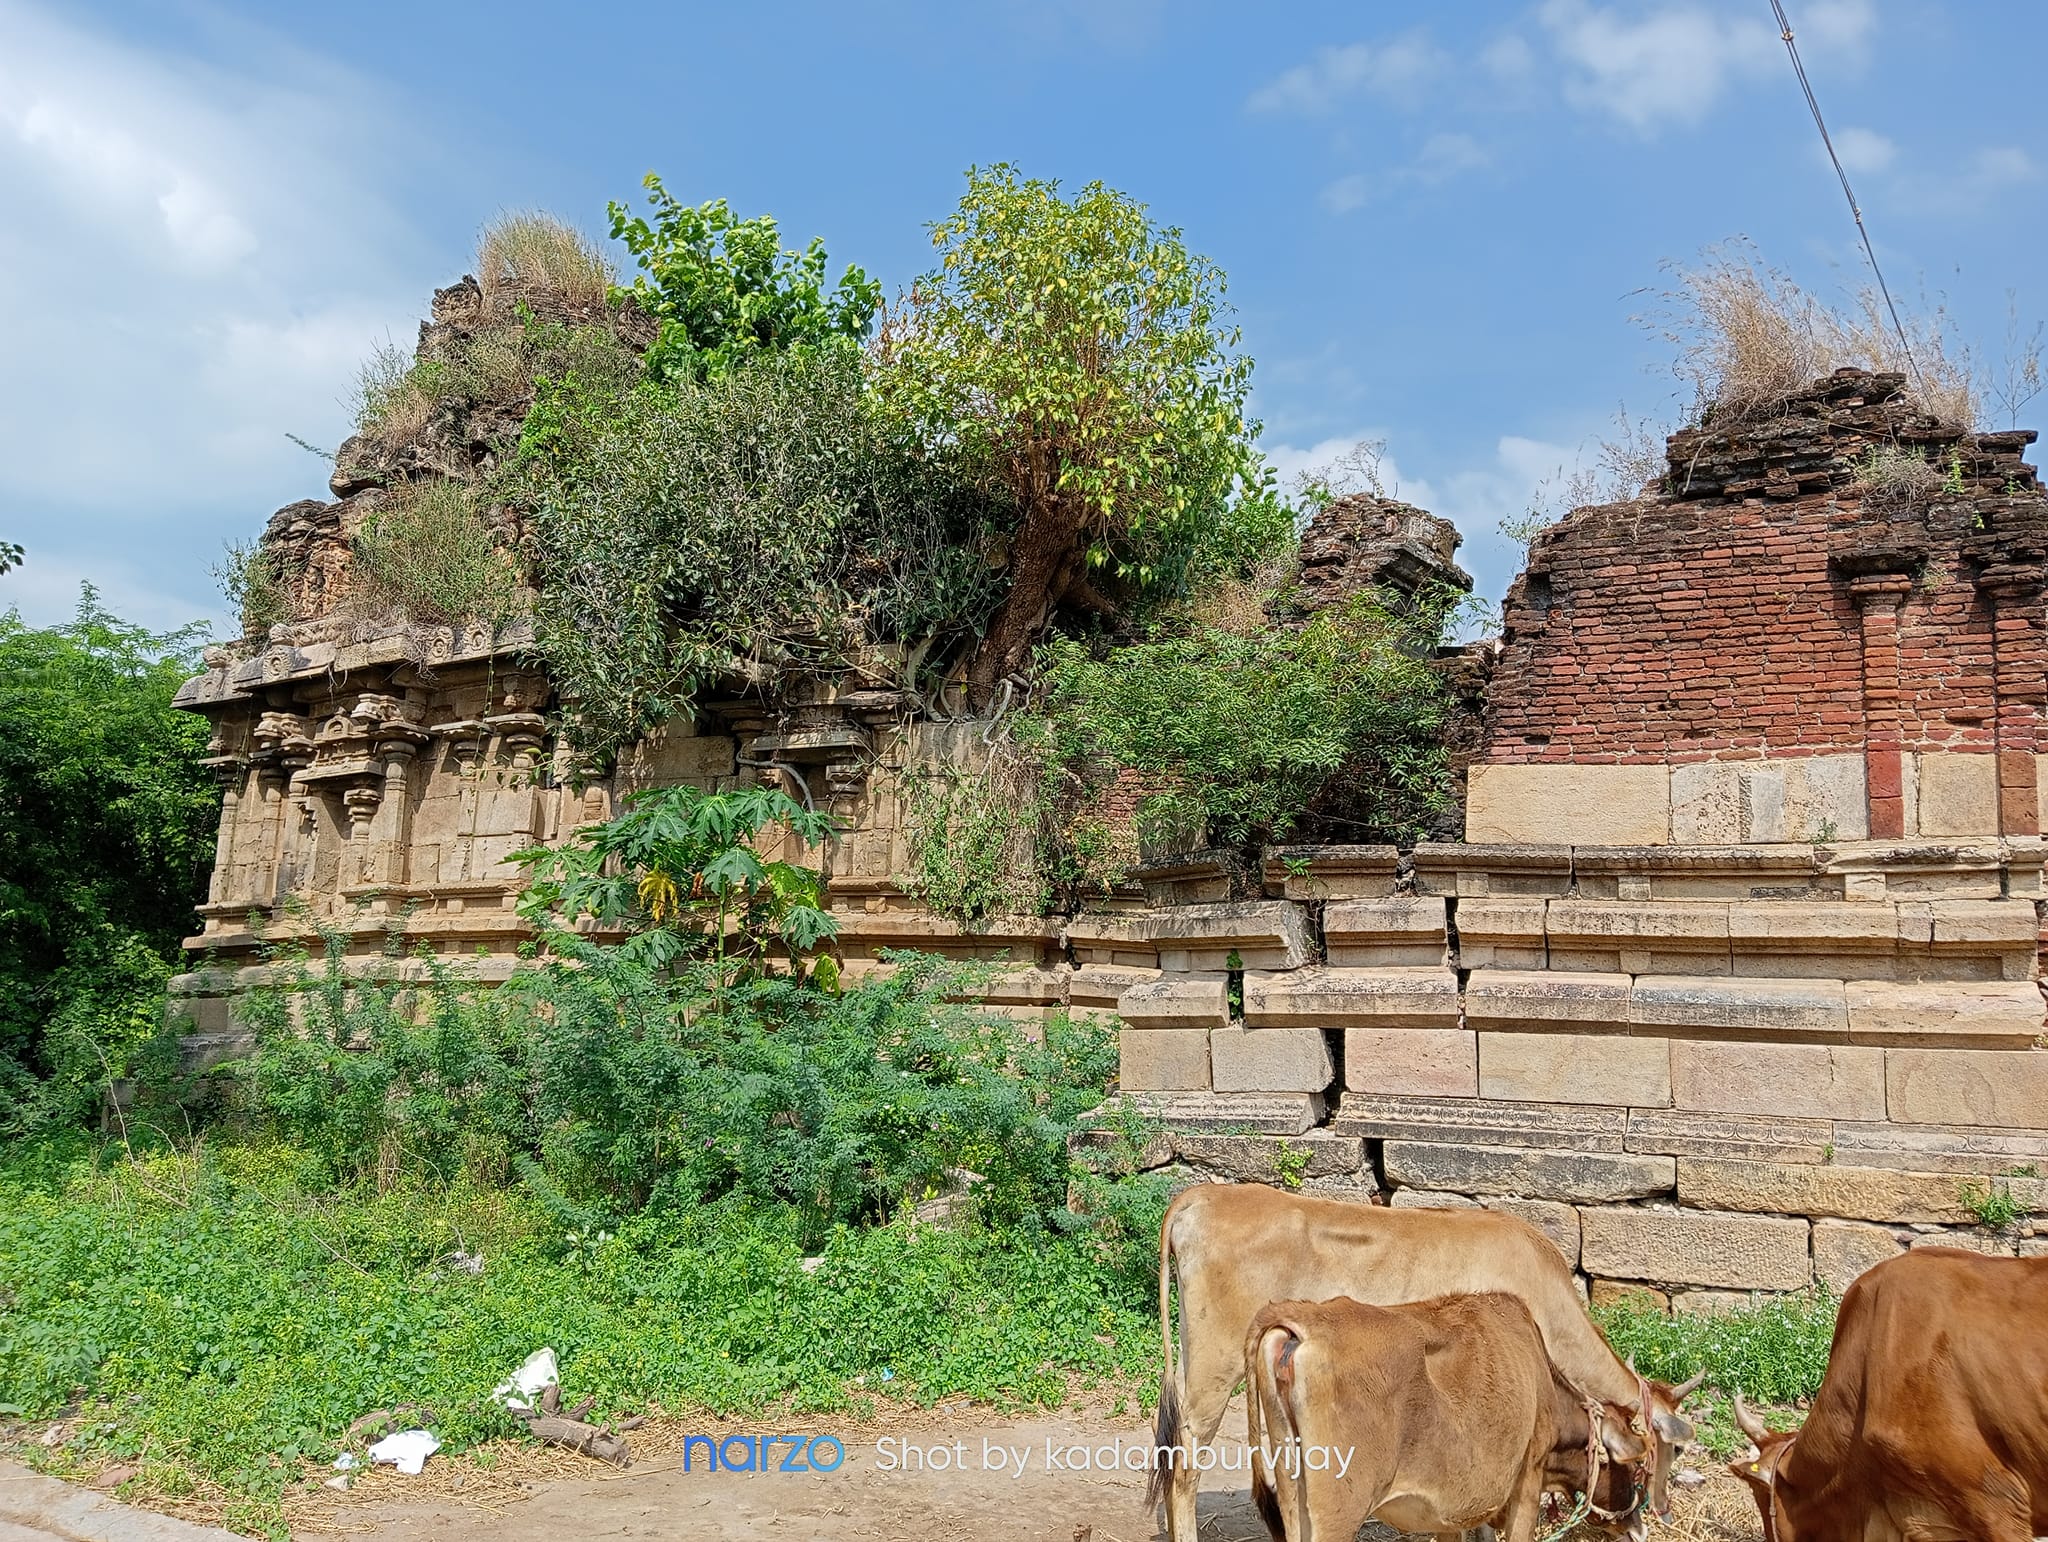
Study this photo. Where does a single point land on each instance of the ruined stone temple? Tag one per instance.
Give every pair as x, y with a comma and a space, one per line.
1731, 983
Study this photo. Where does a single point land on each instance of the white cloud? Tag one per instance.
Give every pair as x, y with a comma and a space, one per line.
1674, 63
1862, 150
193, 259
2002, 164
1346, 193
1396, 71
1444, 156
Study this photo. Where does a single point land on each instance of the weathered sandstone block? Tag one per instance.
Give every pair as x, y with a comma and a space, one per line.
1401, 929
1559, 1223
1100, 987
1482, 1122
1536, 998
1799, 1008
1679, 1132
1984, 1013
1848, 1193
1389, 997
1263, 934
1176, 1001
1811, 1081
1234, 1113
1505, 933
1844, 1249
1691, 1247
1615, 805
1270, 1060
1271, 1159
1163, 1059
1967, 1086
1575, 1068
1418, 1062
1582, 1177
1991, 1244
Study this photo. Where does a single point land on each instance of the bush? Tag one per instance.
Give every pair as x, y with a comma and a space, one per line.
763, 522
254, 586
428, 554
1247, 739
107, 827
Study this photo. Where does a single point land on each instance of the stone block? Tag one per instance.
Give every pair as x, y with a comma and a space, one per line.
1982, 1013
1801, 1081
1429, 1199
1391, 997
1418, 1062
1844, 1249
1535, 998
1401, 929
1581, 1177
2003, 1088
1701, 924
1275, 1159
1176, 1001
1991, 1244
1957, 794
1614, 805
1263, 934
1711, 1303
2033, 1247
1270, 1060
1928, 1148
1707, 1003
1234, 1113
1505, 933
1845, 1193
1482, 1122
1103, 985
1163, 1059
1575, 1068
1560, 1223
1626, 1294
1718, 802
1789, 926
1675, 1132
1991, 924
1694, 1247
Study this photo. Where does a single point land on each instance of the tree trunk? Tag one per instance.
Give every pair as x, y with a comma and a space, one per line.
1045, 559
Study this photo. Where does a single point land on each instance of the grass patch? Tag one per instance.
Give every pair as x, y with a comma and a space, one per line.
521, 251
223, 1317
1774, 1351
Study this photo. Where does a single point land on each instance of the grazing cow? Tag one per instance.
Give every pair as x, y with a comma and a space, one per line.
1234, 1247
1436, 1416
1932, 1420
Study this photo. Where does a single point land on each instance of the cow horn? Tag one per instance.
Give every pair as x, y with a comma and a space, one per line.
1749, 1423
1686, 1389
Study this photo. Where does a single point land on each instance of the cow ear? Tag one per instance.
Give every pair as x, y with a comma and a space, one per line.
1622, 1443
1752, 1473
1672, 1427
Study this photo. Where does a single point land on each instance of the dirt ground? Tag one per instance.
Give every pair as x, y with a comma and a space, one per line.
881, 1493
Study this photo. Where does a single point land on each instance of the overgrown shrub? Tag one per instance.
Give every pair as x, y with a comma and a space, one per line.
1892, 478
428, 553
763, 522
254, 586
106, 833
1250, 738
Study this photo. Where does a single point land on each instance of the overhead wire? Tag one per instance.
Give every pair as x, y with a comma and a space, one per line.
1855, 209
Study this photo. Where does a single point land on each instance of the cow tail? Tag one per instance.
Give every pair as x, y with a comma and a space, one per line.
1166, 1424
1259, 1385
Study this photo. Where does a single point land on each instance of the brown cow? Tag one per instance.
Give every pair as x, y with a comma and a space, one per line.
1932, 1420
1436, 1416
1235, 1247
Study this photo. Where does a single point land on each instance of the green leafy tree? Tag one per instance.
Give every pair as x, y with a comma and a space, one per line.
677, 868
1246, 738
106, 833
11, 556
1081, 355
725, 289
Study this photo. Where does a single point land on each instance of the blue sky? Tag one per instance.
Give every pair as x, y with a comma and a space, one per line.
1438, 220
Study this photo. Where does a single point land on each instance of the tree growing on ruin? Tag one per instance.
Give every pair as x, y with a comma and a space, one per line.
1082, 359
724, 289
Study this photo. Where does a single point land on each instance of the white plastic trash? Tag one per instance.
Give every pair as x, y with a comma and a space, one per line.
408, 1450
522, 1389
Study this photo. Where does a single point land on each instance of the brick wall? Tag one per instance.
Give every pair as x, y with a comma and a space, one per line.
1723, 619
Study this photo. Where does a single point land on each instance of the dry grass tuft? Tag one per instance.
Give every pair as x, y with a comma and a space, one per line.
430, 555
392, 406
1748, 337
523, 250
1892, 477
